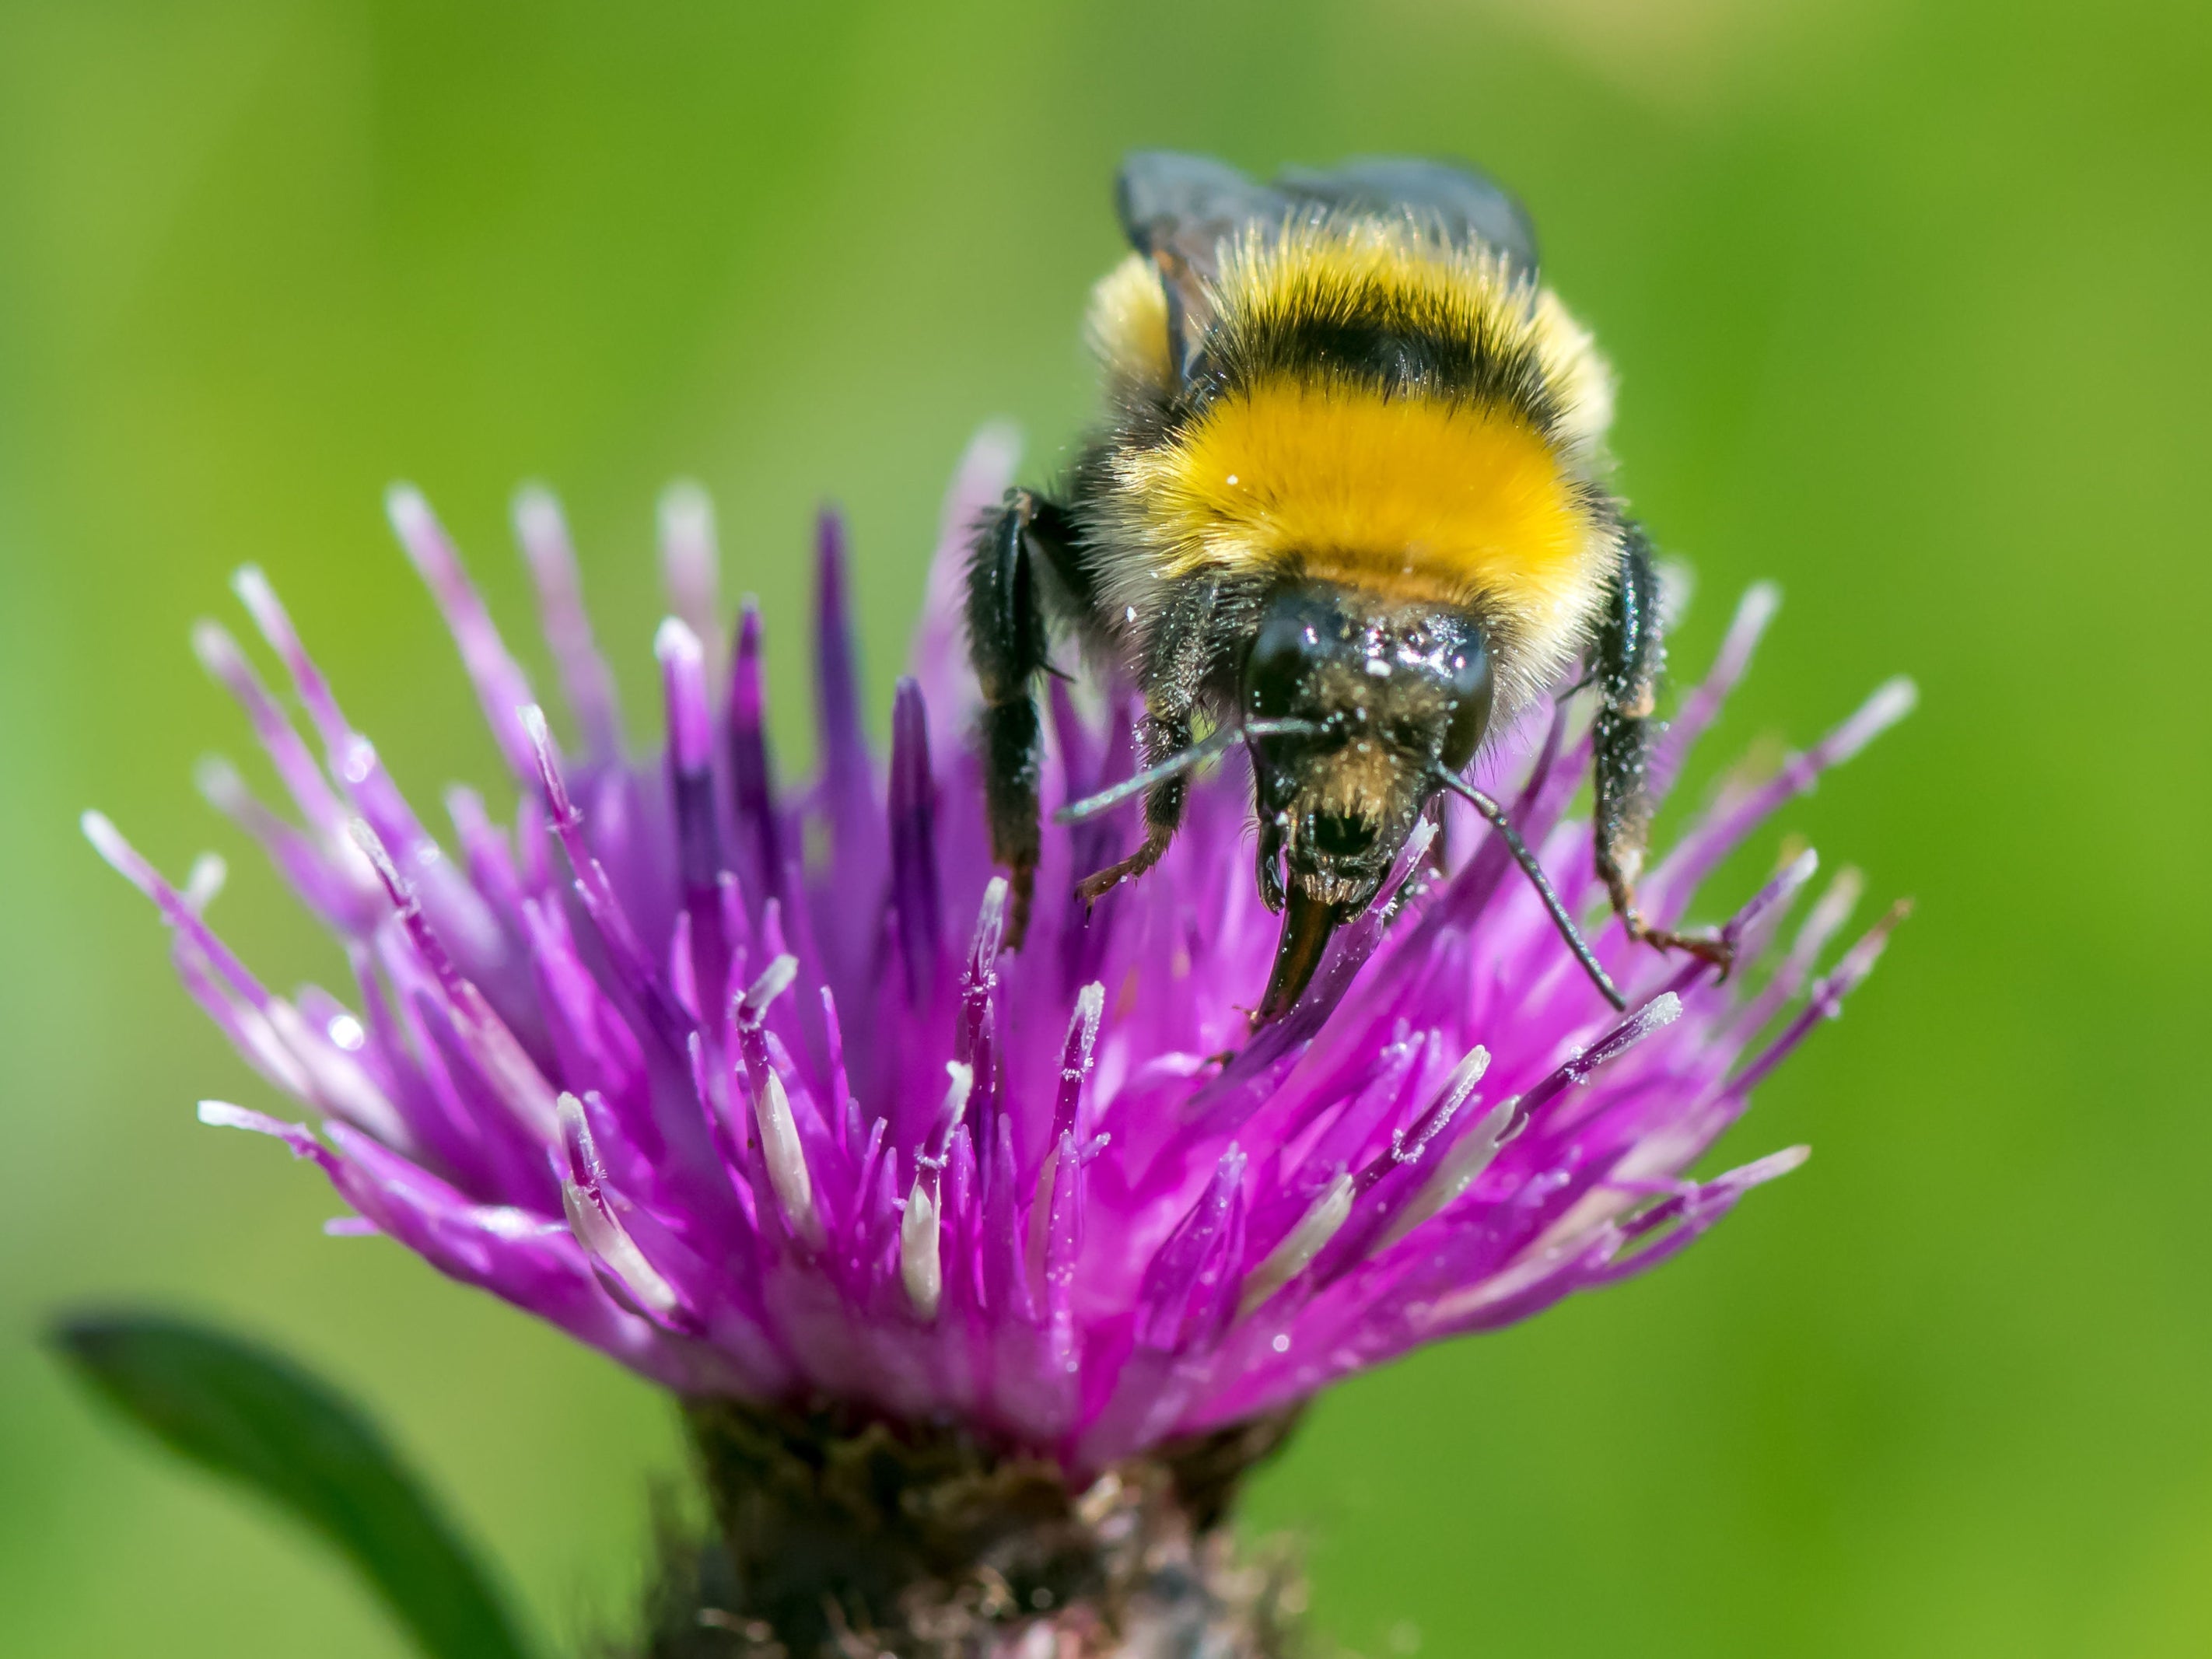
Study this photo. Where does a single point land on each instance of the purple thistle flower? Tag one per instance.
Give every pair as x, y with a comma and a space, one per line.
733, 1080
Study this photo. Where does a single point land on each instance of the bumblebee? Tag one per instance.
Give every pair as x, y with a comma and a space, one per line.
1348, 507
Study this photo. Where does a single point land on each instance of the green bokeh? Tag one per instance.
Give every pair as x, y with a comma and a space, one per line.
1909, 305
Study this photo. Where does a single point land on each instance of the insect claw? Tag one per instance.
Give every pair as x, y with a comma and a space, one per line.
1093, 887
1709, 948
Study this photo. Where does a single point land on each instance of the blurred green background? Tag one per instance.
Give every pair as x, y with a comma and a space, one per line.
1909, 306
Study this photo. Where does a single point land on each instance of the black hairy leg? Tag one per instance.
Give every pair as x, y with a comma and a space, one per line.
1157, 741
1628, 657
1176, 660
1007, 642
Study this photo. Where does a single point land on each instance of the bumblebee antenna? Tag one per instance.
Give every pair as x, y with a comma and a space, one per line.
1542, 883
1182, 760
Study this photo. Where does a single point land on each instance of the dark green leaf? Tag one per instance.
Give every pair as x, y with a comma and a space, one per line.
248, 1414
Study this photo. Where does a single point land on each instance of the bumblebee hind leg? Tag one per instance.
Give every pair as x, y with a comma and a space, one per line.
1007, 642
1628, 657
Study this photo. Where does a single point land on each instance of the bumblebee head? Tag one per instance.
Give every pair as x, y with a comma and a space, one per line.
1387, 693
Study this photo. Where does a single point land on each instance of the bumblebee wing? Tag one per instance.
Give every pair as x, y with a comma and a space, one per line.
1177, 210
1465, 203
1189, 203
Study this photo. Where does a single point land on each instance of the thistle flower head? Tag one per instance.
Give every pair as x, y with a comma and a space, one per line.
732, 1078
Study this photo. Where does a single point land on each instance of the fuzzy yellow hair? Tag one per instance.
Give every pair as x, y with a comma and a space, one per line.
1487, 500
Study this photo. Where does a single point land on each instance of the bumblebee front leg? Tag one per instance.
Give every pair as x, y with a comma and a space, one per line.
1007, 642
1157, 739
1629, 655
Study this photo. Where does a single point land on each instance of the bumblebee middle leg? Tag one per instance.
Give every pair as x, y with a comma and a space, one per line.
1007, 642
1628, 657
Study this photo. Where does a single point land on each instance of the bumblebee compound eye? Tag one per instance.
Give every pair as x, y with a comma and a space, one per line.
1463, 666
1297, 637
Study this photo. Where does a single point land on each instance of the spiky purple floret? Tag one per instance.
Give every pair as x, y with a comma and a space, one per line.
736, 1083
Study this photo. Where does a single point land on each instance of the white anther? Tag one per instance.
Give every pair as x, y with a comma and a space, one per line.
960, 1084
920, 1265
221, 785
208, 872
218, 652
774, 979
1319, 1224
117, 853
990, 923
410, 515
1461, 1084
1040, 1238
593, 1220
675, 642
336, 1081
537, 520
1893, 700
1468, 1158
222, 1115
689, 563
787, 1162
